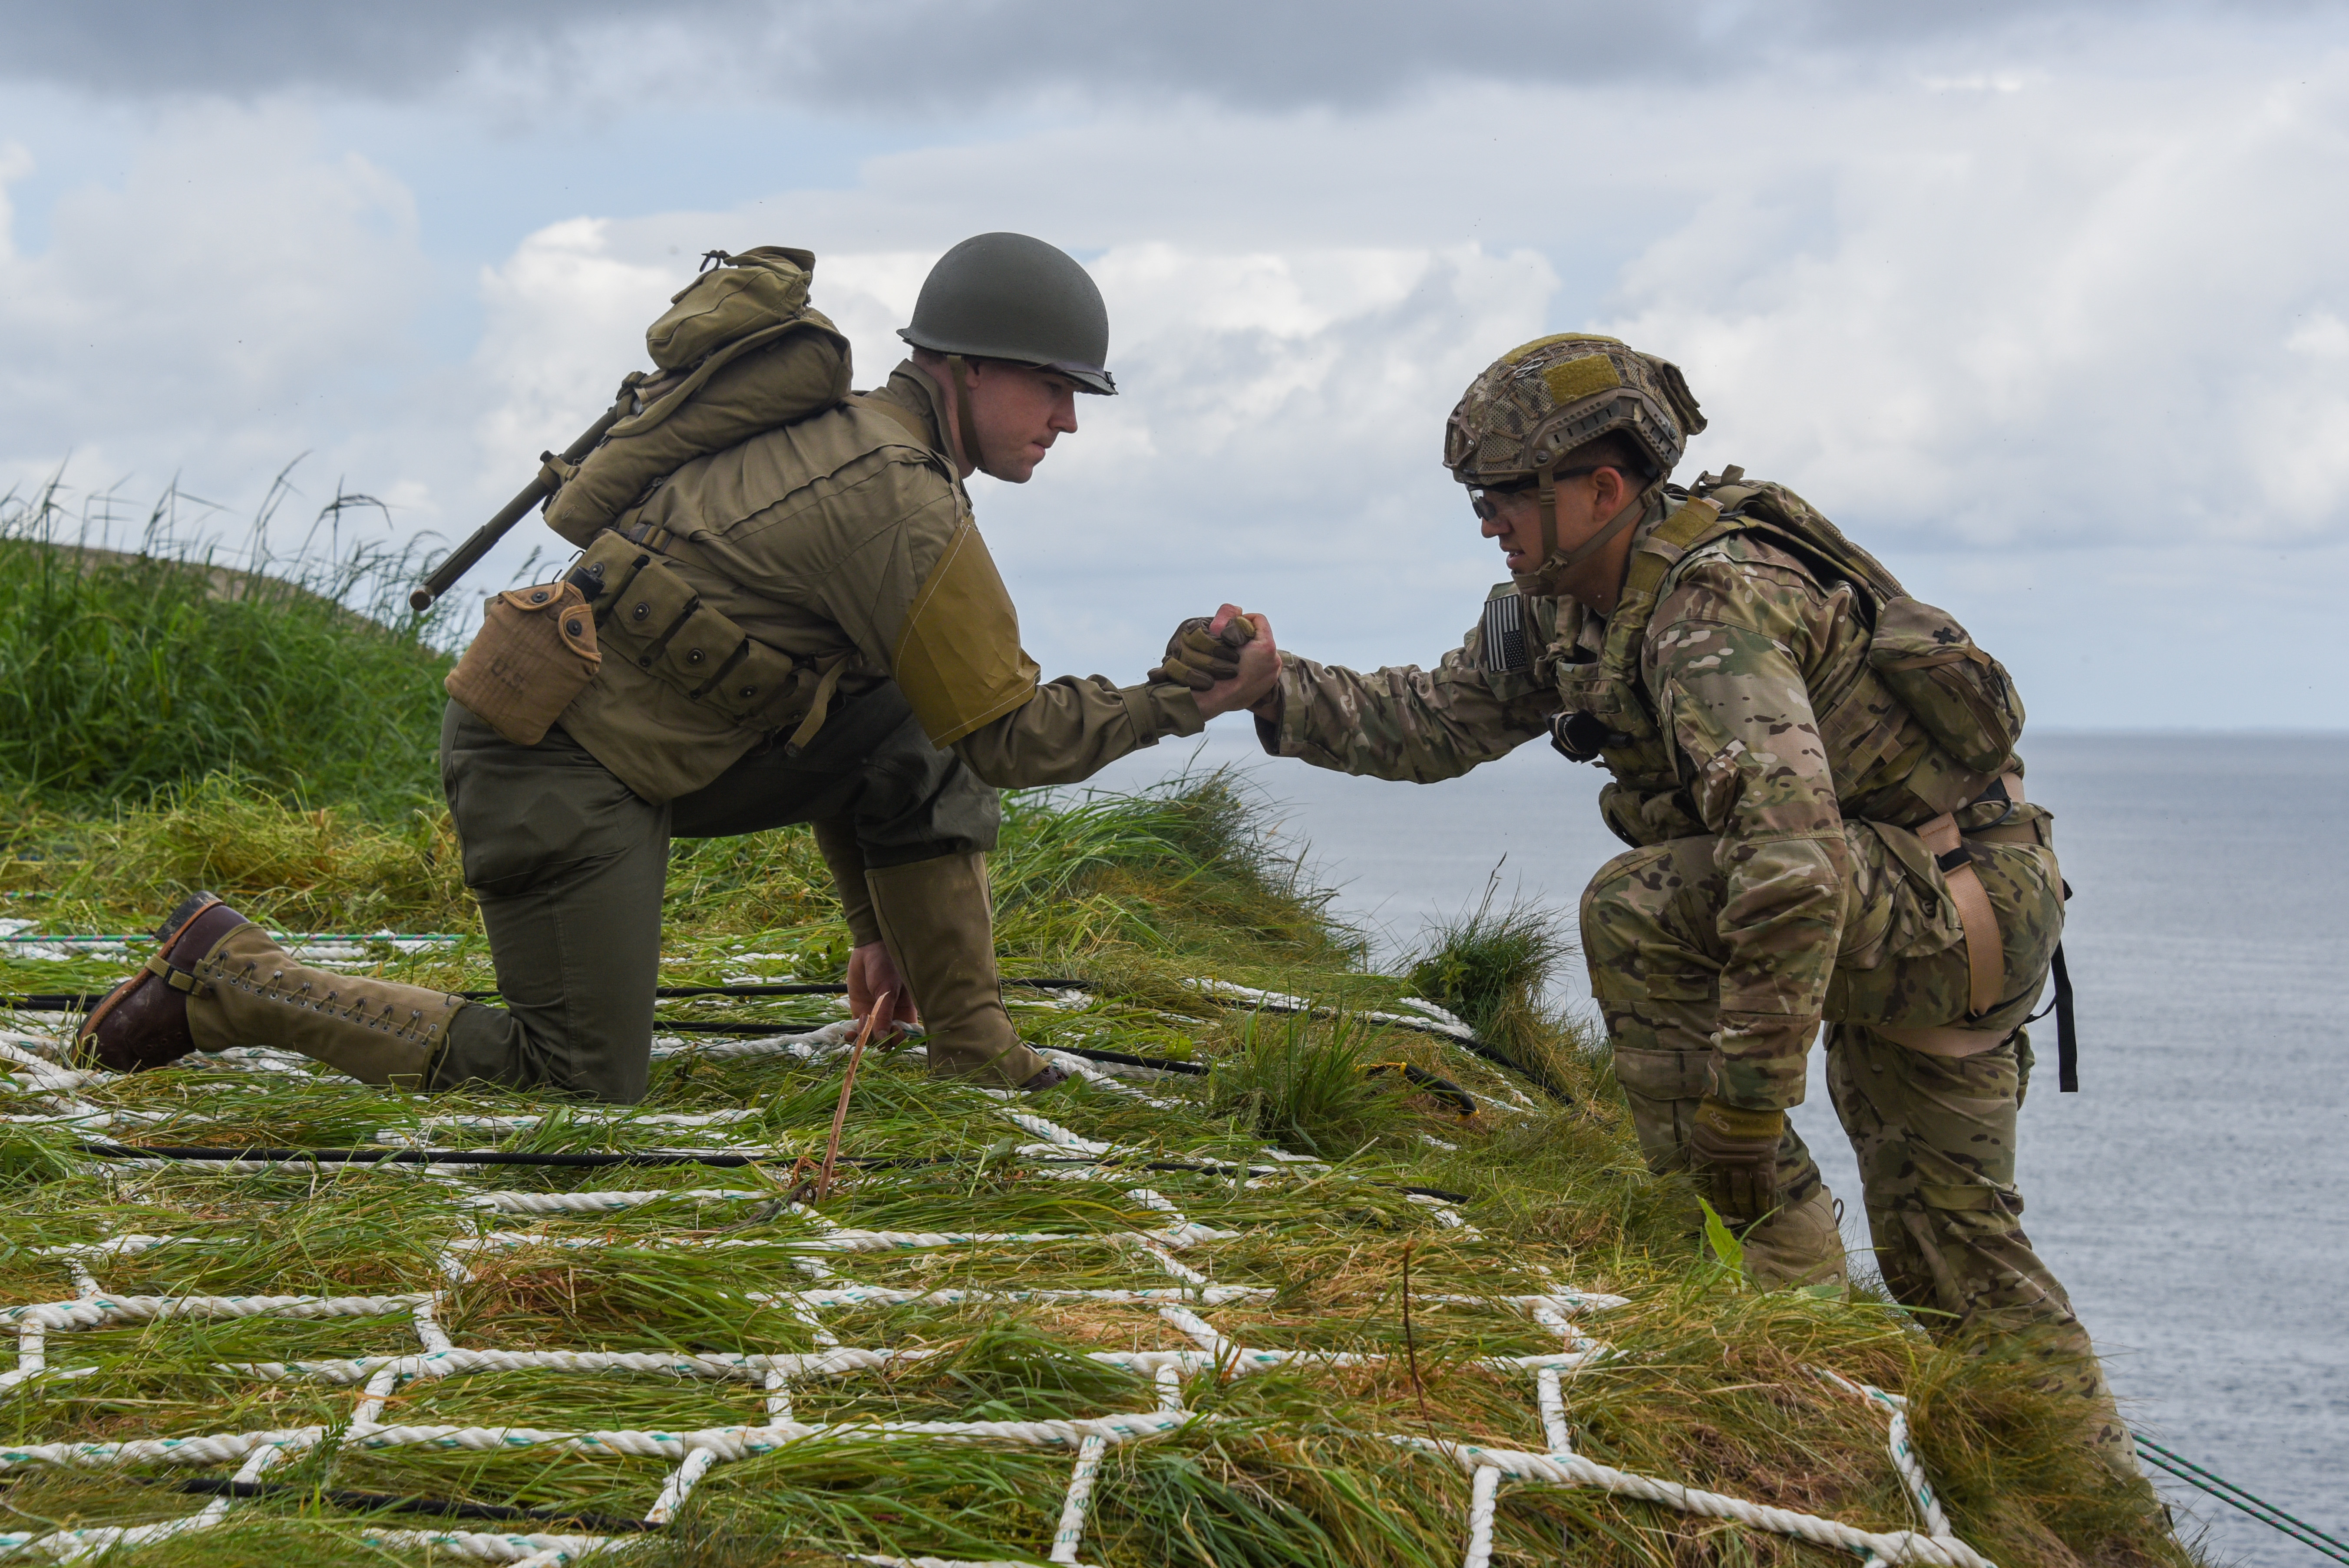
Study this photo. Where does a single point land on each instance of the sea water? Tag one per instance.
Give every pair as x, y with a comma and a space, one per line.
2194, 1196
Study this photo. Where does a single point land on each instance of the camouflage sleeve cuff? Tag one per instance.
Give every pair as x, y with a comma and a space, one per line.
1759, 1059
1268, 730
1291, 734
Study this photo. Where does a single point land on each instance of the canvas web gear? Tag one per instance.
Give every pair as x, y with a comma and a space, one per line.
376, 1382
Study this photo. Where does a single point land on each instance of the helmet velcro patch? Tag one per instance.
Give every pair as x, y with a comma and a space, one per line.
1522, 349
1569, 379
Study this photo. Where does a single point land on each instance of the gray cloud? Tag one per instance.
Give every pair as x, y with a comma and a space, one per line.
956, 53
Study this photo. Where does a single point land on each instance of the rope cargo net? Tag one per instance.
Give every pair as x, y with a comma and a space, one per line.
1180, 1292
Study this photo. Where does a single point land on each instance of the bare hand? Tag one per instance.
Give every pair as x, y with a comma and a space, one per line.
872, 975
1260, 662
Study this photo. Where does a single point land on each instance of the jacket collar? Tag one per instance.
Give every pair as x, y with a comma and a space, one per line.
910, 386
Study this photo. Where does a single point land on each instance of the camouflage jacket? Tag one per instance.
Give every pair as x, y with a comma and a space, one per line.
1744, 652
849, 534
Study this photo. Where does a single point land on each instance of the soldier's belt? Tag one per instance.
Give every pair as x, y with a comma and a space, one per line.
650, 616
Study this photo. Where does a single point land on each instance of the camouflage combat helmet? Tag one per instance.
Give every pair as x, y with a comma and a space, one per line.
1538, 402
1008, 297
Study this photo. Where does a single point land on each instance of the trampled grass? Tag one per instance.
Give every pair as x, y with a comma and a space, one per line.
1299, 1186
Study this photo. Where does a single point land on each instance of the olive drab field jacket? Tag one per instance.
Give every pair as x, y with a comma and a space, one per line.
845, 541
1738, 693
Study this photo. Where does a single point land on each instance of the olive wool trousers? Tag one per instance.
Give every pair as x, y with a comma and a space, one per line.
569, 866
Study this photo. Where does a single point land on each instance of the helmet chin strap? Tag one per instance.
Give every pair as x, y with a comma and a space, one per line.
1548, 478
1555, 562
1596, 541
966, 426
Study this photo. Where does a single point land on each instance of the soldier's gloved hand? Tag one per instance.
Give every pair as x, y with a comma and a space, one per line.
1198, 658
1735, 1152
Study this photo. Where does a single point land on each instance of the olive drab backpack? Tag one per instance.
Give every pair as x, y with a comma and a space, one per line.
739, 350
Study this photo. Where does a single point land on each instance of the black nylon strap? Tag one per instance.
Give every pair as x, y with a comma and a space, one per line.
2067, 1042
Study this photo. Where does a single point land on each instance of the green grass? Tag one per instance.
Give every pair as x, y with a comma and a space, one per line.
1139, 894
126, 673
1492, 968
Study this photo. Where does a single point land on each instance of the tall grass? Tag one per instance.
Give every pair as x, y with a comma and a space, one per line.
1493, 967
1309, 1087
124, 672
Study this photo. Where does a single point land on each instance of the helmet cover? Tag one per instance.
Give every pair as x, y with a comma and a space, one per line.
1542, 399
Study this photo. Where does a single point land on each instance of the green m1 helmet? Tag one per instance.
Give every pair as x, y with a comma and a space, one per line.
1009, 296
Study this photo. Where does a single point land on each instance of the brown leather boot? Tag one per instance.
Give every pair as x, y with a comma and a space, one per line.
939, 925
143, 1022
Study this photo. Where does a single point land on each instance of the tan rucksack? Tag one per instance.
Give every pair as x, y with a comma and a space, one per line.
741, 351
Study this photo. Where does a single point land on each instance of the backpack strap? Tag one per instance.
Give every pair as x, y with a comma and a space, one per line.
913, 422
1693, 522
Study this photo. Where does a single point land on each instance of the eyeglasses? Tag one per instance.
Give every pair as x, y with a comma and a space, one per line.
1481, 496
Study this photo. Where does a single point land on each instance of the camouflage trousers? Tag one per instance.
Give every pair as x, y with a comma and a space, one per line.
1935, 1136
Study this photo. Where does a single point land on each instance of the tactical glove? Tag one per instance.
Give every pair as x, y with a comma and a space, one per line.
1197, 659
1736, 1151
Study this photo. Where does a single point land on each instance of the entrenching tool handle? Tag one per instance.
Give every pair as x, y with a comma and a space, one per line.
468, 555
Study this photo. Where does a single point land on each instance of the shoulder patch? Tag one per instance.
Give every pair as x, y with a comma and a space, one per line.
1505, 645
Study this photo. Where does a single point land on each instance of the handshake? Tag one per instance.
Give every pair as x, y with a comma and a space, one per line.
1229, 661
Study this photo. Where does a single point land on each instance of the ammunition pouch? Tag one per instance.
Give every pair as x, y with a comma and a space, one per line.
536, 651
649, 615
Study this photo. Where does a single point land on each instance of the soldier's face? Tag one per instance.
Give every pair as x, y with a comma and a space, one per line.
1020, 411
1512, 514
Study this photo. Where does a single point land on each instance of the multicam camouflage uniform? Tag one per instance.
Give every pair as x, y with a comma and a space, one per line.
1769, 784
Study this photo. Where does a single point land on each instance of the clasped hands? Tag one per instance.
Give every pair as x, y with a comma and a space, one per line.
1229, 660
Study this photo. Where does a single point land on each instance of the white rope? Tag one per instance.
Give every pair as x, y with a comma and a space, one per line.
690, 1455
1571, 1469
602, 1203
1080, 1492
1483, 1490
815, 1044
92, 1311
1905, 1458
681, 1484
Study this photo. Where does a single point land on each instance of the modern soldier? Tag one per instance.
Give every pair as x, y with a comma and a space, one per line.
1817, 777
840, 550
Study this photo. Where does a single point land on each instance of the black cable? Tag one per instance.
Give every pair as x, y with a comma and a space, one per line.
2228, 1492
391, 1503
82, 1001
596, 1160
424, 1156
1439, 1088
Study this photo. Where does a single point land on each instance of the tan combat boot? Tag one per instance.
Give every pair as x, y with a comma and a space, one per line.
219, 981
1801, 1244
938, 923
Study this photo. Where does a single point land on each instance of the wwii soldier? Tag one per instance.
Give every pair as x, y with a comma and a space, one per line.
1817, 776
839, 551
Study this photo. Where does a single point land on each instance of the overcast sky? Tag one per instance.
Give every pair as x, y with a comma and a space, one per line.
2047, 302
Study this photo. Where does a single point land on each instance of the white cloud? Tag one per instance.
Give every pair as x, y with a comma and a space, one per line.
237, 297
2053, 316
1978, 308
